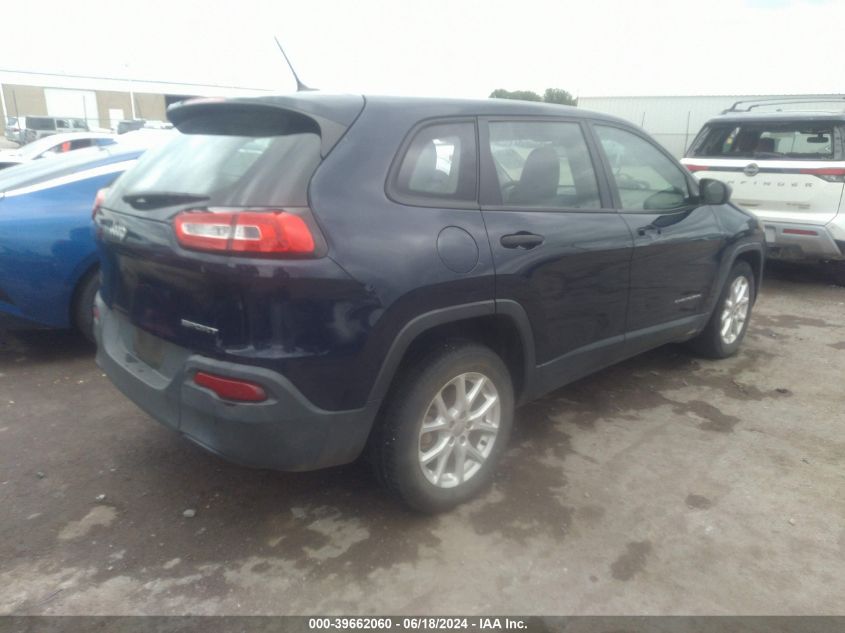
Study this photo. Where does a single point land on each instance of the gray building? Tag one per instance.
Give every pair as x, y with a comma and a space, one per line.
674, 121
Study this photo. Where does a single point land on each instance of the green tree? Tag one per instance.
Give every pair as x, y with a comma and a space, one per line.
552, 95
558, 95
524, 95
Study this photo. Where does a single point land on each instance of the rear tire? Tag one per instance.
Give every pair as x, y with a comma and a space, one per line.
838, 272
433, 449
726, 328
83, 305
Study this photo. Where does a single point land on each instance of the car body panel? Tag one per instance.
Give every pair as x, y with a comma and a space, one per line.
46, 243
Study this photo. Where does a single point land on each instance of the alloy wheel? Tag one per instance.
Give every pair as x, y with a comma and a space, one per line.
459, 429
735, 310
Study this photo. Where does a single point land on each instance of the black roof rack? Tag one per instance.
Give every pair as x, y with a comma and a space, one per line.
749, 104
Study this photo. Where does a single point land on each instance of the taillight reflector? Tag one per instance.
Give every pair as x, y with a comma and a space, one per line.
824, 171
231, 388
270, 232
799, 232
98, 201
830, 174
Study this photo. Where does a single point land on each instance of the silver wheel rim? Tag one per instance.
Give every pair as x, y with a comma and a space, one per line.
735, 310
459, 429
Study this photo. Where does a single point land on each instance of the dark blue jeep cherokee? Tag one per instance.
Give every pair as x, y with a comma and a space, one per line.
296, 279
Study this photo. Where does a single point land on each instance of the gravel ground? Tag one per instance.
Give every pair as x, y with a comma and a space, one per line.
664, 485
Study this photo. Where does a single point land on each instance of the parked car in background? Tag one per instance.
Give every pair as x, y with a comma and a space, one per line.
12, 130
48, 260
296, 279
53, 145
136, 124
788, 168
35, 127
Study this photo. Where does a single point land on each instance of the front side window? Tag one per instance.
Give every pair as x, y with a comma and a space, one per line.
439, 165
645, 177
61, 123
785, 141
543, 164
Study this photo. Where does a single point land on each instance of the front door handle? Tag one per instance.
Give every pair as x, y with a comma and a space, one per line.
649, 229
523, 239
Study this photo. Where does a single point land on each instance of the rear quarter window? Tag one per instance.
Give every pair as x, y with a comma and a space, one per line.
438, 167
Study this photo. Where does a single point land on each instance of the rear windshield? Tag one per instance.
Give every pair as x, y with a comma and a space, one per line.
40, 123
227, 170
789, 141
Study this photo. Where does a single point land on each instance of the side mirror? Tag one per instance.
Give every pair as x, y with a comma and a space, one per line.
714, 192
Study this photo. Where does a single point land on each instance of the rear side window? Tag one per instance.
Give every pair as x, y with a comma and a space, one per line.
229, 170
776, 140
438, 167
543, 164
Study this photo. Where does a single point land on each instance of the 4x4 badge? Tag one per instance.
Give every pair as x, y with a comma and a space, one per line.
752, 169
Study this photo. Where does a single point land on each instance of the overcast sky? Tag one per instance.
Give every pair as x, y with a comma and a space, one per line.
443, 47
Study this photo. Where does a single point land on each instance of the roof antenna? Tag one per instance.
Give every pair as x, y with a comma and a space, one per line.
300, 87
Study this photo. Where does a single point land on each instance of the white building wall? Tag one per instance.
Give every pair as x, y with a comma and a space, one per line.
673, 121
80, 104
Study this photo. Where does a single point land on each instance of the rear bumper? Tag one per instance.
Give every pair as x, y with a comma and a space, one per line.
791, 240
285, 432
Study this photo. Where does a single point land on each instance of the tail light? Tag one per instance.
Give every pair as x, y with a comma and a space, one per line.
830, 174
231, 388
98, 201
799, 232
695, 168
249, 231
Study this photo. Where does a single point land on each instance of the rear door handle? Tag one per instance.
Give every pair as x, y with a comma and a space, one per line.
523, 239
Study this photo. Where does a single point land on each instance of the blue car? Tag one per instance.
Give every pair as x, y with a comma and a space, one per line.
49, 269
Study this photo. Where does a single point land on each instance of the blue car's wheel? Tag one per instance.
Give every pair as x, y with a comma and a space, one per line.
83, 305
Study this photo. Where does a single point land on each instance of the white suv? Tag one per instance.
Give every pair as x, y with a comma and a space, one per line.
788, 168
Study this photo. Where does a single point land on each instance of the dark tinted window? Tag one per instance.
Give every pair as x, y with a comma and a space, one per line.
229, 170
439, 165
543, 164
61, 123
80, 143
40, 123
645, 177
766, 140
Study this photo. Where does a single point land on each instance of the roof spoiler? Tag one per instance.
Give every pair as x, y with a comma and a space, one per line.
258, 117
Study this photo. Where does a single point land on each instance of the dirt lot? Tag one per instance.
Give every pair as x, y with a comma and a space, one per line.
664, 485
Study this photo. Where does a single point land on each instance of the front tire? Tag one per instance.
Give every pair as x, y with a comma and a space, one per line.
726, 328
445, 427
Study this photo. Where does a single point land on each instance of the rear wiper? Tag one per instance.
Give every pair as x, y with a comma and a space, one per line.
156, 199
